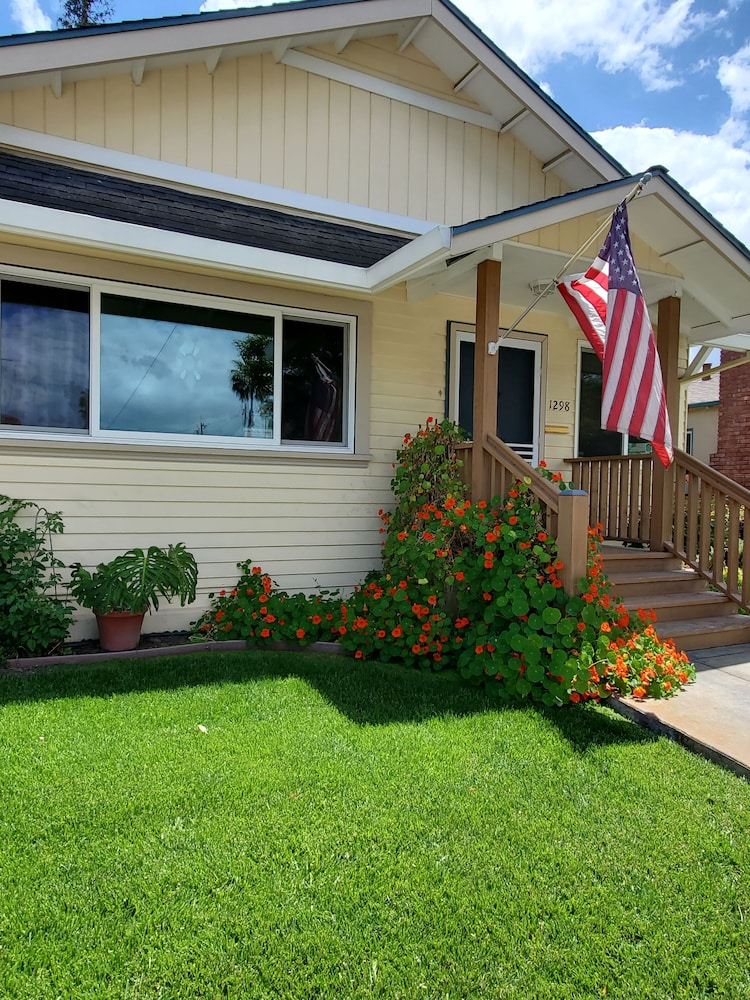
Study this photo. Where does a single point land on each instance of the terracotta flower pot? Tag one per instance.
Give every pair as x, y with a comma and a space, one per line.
119, 630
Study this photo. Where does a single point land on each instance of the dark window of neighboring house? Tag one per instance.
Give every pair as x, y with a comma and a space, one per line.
689, 440
44, 356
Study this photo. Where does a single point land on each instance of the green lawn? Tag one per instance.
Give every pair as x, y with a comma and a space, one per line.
345, 831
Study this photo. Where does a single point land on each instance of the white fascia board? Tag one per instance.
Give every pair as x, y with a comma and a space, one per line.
393, 91
87, 155
502, 72
700, 224
161, 39
410, 260
529, 221
158, 245
32, 221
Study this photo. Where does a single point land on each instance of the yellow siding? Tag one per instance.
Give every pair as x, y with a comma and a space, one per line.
260, 120
227, 506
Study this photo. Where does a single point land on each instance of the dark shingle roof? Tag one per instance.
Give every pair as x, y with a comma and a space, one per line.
47, 184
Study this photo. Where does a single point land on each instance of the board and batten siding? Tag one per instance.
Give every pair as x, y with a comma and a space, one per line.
263, 121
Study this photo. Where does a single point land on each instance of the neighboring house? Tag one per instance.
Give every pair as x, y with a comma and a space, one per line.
732, 451
702, 434
241, 253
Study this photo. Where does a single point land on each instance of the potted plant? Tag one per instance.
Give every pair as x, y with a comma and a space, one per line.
121, 591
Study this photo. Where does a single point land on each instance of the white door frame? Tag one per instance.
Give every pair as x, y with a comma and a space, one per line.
462, 335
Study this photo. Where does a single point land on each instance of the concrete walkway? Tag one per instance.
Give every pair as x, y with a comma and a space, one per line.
710, 717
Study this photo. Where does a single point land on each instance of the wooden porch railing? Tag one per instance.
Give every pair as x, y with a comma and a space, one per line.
620, 494
706, 514
709, 525
564, 512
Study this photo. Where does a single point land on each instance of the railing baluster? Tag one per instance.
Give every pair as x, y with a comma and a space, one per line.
704, 528
691, 545
745, 561
720, 508
679, 538
732, 547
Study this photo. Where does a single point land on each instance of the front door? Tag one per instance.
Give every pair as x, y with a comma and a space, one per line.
518, 390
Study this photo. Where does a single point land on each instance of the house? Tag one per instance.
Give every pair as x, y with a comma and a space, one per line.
702, 433
242, 252
732, 450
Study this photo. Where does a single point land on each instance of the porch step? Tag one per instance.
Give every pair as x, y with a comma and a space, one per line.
626, 560
661, 581
687, 612
725, 630
681, 606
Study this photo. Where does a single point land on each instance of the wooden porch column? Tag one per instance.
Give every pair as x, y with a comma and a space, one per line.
485, 372
572, 538
668, 345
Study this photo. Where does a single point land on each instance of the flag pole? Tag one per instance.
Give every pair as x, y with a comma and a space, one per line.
494, 346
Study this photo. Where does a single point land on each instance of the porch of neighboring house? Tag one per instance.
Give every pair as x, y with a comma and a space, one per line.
673, 537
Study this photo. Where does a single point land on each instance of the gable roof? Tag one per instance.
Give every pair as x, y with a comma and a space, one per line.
513, 102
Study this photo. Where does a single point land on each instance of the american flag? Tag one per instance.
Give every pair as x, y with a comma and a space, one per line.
608, 303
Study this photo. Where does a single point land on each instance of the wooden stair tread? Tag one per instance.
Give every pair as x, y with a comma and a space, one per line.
657, 601
706, 632
657, 577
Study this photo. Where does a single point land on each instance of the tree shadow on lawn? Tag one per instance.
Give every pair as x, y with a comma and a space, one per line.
369, 694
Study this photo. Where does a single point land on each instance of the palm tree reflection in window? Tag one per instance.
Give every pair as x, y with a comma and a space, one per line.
252, 380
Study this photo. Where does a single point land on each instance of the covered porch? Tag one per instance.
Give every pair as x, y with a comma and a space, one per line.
696, 280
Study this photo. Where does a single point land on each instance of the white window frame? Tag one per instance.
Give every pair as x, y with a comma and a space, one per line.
278, 313
461, 334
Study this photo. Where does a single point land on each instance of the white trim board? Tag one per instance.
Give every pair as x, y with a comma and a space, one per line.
88, 155
393, 91
33, 221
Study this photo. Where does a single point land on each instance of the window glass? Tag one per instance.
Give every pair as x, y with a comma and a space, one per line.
181, 369
44, 356
312, 396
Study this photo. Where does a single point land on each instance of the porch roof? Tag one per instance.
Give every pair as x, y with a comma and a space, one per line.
711, 267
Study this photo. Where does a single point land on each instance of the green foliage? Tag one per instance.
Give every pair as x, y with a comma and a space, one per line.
135, 580
258, 611
427, 471
475, 588
33, 621
264, 825
82, 13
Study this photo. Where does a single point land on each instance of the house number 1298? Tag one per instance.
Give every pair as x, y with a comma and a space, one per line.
560, 405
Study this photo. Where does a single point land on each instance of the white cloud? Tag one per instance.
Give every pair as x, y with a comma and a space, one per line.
713, 168
29, 15
734, 76
635, 36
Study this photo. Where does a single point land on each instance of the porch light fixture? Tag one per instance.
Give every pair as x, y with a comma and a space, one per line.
542, 287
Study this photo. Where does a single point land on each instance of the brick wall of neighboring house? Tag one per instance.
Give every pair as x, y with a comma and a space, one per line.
733, 451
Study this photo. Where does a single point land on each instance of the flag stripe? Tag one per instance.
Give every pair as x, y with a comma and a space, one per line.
618, 327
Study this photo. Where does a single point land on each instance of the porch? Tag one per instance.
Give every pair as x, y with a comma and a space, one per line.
680, 531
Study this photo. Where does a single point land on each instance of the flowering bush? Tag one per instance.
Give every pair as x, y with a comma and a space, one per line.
258, 611
470, 586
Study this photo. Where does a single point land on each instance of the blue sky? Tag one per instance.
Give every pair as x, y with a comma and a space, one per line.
656, 81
